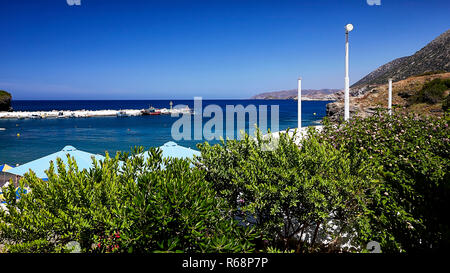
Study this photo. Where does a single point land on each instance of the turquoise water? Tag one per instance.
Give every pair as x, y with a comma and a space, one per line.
40, 137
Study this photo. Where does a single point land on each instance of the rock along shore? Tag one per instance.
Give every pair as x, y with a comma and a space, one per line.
84, 113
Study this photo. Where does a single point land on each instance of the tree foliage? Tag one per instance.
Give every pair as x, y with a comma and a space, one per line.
383, 178
432, 92
291, 196
411, 213
135, 205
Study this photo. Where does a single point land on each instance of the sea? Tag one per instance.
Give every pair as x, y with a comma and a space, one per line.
23, 140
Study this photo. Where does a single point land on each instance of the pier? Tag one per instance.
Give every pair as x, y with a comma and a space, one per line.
87, 113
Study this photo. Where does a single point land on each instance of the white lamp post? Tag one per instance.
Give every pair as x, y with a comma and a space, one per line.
348, 28
390, 97
299, 103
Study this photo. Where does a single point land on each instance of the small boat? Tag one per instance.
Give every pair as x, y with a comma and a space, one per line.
35, 116
122, 113
151, 111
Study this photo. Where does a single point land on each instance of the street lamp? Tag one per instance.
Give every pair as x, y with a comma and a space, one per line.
299, 103
348, 28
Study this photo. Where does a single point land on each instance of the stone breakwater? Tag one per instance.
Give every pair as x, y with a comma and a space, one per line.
84, 113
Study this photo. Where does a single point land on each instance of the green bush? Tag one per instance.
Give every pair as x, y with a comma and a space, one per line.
414, 153
432, 92
176, 209
3, 93
446, 104
383, 178
135, 205
291, 196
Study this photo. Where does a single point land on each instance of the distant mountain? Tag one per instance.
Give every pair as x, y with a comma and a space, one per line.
307, 94
432, 58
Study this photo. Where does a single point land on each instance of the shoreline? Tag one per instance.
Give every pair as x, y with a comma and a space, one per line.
303, 99
85, 113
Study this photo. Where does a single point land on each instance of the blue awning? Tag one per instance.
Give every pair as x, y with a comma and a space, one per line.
173, 150
38, 166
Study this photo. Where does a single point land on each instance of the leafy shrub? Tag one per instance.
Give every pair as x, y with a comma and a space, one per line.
411, 214
3, 93
134, 205
446, 104
432, 92
176, 209
291, 196
383, 178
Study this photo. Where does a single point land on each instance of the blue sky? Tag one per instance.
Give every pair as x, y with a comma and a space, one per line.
124, 49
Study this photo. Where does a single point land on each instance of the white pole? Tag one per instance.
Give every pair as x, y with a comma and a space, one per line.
299, 103
390, 97
347, 82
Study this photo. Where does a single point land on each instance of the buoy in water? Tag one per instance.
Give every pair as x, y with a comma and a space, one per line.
18, 135
314, 114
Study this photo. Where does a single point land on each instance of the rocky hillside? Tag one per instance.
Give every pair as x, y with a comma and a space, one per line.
5, 101
409, 74
307, 94
375, 98
433, 57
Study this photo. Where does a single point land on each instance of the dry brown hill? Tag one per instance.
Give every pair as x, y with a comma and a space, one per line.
377, 98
